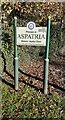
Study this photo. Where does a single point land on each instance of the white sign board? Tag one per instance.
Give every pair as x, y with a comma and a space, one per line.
31, 35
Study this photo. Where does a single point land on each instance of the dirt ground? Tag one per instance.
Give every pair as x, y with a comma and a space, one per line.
33, 75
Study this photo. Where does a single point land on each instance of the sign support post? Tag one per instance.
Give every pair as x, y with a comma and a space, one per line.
46, 58
15, 55
31, 39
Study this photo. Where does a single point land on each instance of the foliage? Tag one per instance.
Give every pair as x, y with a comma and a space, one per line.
28, 103
37, 12
31, 104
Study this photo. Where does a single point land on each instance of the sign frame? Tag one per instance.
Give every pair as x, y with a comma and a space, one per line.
46, 63
31, 35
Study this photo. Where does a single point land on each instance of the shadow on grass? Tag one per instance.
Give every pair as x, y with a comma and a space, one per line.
29, 84
57, 87
37, 78
32, 86
29, 75
9, 74
8, 83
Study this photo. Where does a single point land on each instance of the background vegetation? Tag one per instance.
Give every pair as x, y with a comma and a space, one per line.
29, 101
37, 12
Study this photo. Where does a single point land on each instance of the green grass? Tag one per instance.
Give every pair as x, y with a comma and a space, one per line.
29, 103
